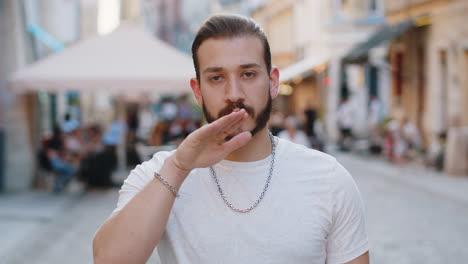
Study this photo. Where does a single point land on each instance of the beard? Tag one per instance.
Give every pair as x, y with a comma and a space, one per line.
261, 119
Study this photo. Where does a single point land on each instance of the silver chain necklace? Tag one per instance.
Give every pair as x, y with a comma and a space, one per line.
273, 150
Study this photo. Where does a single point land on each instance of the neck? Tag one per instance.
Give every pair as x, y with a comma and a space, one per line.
259, 147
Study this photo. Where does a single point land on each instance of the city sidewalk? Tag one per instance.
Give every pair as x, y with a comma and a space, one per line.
23, 214
46, 228
454, 188
42, 227
39, 227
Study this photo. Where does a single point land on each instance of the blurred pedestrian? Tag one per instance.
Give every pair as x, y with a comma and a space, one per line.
395, 144
310, 114
64, 164
308, 209
169, 110
159, 134
146, 123
277, 122
412, 137
293, 132
69, 124
375, 117
345, 124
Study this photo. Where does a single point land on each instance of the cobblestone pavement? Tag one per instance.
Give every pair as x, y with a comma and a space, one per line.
414, 216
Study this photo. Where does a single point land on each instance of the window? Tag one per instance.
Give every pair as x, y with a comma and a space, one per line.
353, 9
346, 10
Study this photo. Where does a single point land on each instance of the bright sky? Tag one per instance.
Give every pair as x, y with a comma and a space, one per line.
108, 15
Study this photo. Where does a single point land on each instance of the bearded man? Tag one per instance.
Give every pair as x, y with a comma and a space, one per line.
244, 196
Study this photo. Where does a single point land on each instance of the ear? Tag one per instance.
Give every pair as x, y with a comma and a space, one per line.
274, 82
196, 91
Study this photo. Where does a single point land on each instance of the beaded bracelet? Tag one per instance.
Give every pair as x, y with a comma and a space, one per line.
168, 185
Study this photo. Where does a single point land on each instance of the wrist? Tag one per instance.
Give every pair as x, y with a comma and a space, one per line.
172, 167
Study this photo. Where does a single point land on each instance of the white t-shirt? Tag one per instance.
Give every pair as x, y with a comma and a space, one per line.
311, 213
299, 138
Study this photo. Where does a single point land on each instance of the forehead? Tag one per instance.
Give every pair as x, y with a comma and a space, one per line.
230, 52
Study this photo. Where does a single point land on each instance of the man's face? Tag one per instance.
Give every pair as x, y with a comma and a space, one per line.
233, 75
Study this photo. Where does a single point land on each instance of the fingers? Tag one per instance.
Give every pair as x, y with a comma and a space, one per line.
238, 141
232, 128
225, 123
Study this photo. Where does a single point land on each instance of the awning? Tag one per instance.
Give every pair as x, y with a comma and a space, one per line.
303, 68
387, 32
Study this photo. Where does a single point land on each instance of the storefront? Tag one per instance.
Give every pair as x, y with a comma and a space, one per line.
303, 86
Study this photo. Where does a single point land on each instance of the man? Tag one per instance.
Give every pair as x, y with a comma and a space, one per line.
345, 123
293, 132
247, 197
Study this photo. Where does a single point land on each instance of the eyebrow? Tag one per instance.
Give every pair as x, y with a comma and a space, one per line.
250, 65
213, 69
243, 66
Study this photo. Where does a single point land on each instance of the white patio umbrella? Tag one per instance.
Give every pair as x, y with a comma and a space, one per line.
125, 61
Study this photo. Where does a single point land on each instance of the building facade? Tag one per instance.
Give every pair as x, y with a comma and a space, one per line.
308, 41
348, 23
291, 29
16, 150
31, 30
430, 72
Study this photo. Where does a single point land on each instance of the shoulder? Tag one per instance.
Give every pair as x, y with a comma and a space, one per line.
313, 163
293, 151
300, 156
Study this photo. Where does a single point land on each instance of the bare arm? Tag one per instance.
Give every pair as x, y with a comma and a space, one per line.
363, 259
130, 235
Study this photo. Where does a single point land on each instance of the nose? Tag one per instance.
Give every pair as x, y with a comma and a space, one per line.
234, 91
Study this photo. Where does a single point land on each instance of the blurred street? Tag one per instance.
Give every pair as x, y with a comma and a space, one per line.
89, 89
415, 215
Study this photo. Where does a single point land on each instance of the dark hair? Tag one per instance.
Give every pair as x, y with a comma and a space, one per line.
229, 26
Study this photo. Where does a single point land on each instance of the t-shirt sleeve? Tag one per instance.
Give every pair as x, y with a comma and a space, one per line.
139, 178
347, 239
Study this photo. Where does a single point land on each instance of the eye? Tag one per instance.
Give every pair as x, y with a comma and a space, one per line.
216, 78
249, 74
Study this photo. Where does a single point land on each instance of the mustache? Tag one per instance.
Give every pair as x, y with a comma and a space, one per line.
230, 108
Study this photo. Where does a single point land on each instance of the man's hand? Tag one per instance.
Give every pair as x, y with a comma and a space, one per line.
207, 145
363, 259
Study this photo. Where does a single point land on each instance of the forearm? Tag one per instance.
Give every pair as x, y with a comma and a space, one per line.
130, 235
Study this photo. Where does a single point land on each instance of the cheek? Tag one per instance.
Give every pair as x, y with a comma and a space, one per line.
261, 98
211, 104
